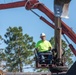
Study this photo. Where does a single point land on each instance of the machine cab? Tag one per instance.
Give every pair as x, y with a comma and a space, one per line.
47, 60
43, 59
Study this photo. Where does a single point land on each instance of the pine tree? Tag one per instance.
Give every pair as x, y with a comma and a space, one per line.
2, 55
19, 49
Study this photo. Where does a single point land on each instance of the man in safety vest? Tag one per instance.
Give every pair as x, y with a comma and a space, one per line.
43, 45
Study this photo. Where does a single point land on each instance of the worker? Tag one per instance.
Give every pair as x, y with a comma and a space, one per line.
43, 45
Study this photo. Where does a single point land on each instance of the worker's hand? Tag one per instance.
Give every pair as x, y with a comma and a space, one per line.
50, 48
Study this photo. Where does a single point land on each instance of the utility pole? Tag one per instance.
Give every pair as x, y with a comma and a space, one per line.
58, 31
60, 10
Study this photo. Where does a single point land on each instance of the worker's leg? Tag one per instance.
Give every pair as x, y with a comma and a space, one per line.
48, 59
40, 57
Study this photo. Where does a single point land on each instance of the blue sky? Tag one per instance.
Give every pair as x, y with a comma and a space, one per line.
30, 23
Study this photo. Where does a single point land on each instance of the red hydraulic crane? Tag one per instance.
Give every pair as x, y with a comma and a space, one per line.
35, 4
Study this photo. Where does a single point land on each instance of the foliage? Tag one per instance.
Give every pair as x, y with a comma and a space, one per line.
0, 37
2, 55
19, 49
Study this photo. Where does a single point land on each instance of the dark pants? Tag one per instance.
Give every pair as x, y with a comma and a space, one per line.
46, 59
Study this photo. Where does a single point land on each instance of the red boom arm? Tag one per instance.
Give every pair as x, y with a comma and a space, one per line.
34, 4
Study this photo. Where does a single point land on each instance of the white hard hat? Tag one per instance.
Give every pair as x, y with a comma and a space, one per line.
42, 34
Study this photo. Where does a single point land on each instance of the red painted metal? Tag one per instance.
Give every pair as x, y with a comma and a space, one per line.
34, 4
65, 28
73, 49
31, 4
12, 5
47, 22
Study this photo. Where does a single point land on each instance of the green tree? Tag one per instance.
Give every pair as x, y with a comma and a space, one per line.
2, 55
0, 37
19, 49
0, 50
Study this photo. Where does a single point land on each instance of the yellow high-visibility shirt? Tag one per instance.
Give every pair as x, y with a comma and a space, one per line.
43, 45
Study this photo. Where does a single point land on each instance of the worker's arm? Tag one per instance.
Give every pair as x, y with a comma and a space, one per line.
50, 46
36, 47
